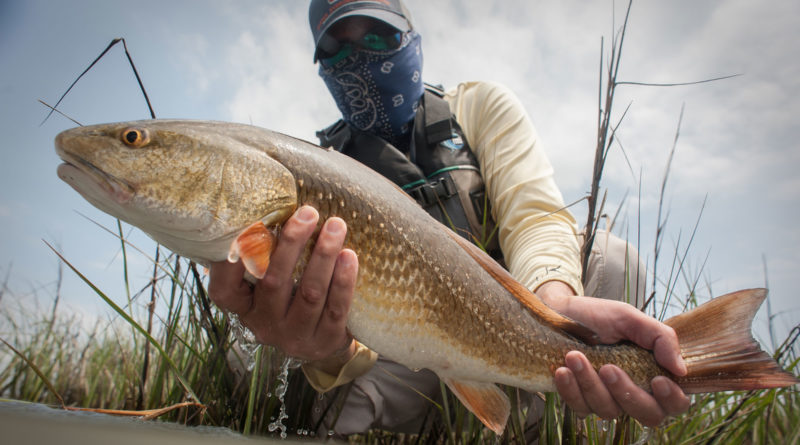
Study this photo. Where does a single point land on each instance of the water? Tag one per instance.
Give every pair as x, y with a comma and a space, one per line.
646, 433
246, 339
247, 342
33, 423
280, 393
609, 426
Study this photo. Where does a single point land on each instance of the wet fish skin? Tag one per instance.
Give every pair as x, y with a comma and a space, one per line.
203, 206
424, 297
415, 282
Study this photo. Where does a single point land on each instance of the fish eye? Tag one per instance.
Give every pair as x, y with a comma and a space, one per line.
135, 137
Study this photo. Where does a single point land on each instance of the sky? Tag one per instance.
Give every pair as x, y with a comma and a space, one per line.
733, 187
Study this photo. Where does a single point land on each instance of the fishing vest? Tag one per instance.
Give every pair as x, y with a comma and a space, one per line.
440, 171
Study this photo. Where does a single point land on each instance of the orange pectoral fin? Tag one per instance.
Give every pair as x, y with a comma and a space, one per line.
488, 402
254, 247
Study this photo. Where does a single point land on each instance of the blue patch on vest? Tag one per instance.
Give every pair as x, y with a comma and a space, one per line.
454, 143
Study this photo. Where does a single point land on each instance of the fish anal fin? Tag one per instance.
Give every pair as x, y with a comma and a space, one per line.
526, 297
719, 350
488, 402
254, 247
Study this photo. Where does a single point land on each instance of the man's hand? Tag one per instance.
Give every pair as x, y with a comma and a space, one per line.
610, 392
306, 321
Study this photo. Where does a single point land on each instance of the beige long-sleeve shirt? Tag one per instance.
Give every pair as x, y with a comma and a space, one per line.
537, 235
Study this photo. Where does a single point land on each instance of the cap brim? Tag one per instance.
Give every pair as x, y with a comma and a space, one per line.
388, 17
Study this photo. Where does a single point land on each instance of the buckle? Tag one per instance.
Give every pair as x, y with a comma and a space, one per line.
433, 192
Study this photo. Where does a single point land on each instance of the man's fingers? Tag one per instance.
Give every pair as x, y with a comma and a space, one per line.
274, 291
570, 392
635, 401
668, 352
312, 293
595, 393
310, 322
649, 333
670, 396
227, 287
333, 320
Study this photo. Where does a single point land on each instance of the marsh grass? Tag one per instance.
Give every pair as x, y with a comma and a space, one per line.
61, 362
53, 359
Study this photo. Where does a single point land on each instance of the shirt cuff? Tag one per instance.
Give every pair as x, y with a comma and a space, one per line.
555, 274
358, 365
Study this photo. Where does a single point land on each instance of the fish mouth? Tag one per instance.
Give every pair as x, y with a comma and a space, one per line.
85, 177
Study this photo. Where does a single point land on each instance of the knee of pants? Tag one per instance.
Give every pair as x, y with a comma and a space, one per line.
615, 271
353, 412
387, 397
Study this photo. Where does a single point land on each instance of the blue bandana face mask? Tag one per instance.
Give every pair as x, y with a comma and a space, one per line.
379, 91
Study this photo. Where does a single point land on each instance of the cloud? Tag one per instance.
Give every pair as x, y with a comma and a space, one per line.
195, 50
737, 141
546, 55
740, 129
277, 84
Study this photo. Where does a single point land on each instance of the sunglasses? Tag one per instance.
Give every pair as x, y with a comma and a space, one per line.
330, 51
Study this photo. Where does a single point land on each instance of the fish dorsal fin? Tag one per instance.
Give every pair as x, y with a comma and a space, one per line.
485, 400
254, 247
537, 307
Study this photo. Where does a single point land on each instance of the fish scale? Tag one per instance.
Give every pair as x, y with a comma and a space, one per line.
424, 296
394, 256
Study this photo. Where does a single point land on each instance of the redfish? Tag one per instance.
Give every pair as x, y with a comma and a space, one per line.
425, 297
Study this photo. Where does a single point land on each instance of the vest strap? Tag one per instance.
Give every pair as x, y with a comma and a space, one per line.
430, 193
438, 125
439, 170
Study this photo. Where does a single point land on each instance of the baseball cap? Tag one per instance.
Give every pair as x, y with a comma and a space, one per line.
322, 14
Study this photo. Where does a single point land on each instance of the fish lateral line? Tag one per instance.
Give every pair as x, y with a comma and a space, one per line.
527, 298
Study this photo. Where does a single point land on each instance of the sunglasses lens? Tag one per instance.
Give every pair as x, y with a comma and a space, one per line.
381, 38
329, 59
376, 42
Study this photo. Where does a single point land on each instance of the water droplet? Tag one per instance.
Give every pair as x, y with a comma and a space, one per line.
608, 425
246, 339
280, 393
645, 437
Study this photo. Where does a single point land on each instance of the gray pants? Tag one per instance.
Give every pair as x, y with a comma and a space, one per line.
390, 396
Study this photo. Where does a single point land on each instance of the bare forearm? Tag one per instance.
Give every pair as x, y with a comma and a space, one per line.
555, 294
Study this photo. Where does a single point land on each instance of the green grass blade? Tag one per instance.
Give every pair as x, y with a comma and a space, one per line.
38, 372
133, 323
251, 396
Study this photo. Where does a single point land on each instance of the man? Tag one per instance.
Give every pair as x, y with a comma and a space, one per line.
370, 58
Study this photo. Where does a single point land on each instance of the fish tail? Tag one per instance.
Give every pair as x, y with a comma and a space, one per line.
719, 349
